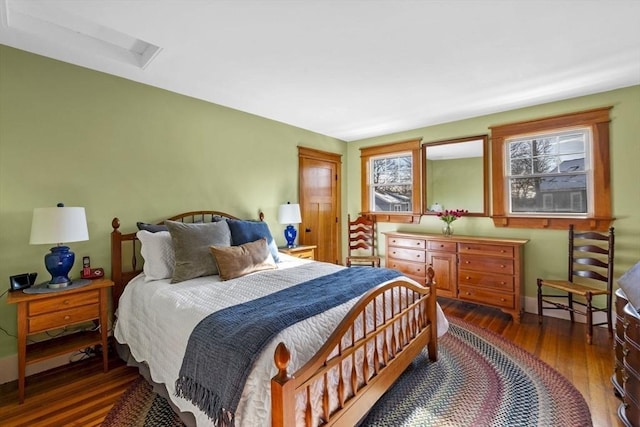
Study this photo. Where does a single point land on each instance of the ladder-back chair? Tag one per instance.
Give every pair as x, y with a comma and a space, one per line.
362, 242
590, 262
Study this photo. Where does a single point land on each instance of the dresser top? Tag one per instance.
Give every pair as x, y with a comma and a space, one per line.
457, 239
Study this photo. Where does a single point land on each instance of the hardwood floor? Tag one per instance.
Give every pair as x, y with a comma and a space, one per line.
81, 395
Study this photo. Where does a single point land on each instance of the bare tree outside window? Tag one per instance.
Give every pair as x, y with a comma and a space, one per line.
546, 171
391, 184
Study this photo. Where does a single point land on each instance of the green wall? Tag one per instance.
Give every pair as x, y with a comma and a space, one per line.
120, 148
546, 251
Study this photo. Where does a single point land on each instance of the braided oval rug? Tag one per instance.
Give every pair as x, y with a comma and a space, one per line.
480, 379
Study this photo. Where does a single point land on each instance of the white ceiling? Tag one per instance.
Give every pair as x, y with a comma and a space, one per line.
348, 69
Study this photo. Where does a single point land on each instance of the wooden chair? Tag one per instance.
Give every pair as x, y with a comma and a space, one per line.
590, 262
362, 238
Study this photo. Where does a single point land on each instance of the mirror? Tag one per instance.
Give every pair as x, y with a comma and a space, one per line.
456, 175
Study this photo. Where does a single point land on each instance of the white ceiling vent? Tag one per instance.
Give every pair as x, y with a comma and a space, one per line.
66, 30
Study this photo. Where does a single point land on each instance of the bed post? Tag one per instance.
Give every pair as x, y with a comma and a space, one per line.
432, 346
282, 391
116, 262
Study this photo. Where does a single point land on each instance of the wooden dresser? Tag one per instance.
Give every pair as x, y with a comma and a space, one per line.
481, 270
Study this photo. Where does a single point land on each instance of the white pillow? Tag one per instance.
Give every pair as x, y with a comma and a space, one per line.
159, 256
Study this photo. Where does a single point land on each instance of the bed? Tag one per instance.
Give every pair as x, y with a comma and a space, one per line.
327, 369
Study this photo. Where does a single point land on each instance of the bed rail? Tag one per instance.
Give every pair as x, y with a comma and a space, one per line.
365, 361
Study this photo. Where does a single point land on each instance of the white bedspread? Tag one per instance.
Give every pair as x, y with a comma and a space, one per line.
156, 318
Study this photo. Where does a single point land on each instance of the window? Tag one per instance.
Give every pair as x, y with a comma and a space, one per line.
391, 181
552, 172
545, 173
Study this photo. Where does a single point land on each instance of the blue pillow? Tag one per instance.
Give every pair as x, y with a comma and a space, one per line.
249, 231
151, 228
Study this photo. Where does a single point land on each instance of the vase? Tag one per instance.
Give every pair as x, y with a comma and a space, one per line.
447, 230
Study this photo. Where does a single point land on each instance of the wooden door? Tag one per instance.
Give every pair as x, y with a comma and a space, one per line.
320, 203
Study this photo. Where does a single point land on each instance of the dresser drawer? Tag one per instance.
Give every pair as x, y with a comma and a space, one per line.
485, 296
494, 281
63, 302
407, 242
486, 250
438, 245
409, 268
62, 318
492, 265
406, 255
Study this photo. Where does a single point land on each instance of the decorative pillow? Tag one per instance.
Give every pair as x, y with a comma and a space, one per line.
191, 244
152, 228
249, 231
237, 261
630, 284
158, 254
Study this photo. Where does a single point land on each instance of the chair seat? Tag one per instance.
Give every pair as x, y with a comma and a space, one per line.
572, 287
372, 260
364, 258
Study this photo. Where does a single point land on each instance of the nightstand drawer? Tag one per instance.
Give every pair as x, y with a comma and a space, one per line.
63, 302
61, 318
306, 254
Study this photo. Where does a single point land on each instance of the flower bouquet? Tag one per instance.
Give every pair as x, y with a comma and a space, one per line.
448, 216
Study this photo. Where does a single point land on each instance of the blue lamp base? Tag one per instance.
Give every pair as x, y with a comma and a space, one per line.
290, 235
59, 262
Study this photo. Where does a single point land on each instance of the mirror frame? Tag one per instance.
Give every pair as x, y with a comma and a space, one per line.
485, 171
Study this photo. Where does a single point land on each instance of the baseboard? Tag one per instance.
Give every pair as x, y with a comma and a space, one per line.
9, 366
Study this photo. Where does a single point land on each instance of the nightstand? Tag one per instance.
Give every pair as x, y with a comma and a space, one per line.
302, 251
54, 310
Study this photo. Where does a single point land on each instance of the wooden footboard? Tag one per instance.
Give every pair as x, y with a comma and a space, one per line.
354, 368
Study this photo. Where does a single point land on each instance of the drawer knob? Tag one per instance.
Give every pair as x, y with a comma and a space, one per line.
503, 283
467, 262
417, 243
66, 302
468, 293
67, 317
467, 277
502, 266
503, 251
502, 299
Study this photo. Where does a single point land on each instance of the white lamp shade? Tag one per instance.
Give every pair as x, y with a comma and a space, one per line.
58, 225
289, 214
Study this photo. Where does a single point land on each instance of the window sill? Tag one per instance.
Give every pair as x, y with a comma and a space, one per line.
403, 218
553, 223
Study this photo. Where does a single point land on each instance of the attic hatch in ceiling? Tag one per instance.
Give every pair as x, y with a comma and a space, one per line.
64, 29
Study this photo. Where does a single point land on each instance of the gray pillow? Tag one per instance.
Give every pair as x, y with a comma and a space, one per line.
630, 284
191, 245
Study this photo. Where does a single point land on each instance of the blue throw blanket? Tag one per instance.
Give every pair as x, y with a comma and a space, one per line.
224, 346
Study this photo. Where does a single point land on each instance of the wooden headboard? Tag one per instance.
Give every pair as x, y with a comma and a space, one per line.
128, 245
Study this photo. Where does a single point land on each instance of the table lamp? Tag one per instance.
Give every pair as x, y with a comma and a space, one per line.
289, 214
57, 225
